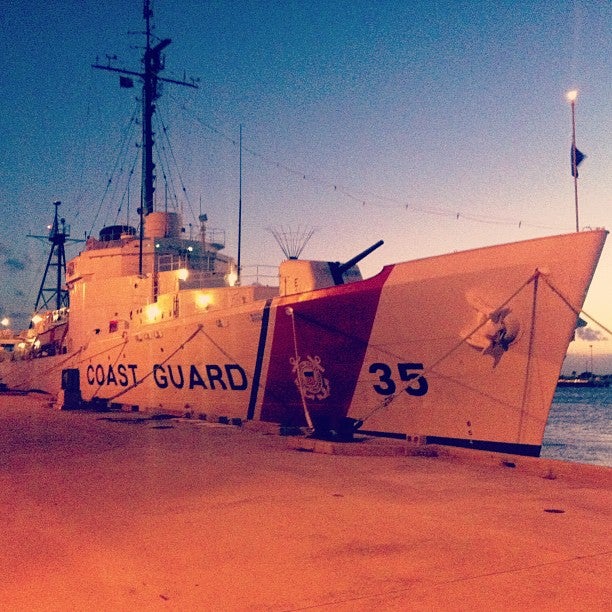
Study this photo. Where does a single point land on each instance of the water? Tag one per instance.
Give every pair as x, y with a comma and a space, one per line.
580, 426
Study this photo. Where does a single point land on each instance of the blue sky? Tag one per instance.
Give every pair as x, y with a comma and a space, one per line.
435, 126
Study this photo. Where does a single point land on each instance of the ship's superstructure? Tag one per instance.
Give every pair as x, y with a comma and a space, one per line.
462, 349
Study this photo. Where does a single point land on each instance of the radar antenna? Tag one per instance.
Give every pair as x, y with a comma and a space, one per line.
292, 241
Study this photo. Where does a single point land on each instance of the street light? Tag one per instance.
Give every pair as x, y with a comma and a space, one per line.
571, 96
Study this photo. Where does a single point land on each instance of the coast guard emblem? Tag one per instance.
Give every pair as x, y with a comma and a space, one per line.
309, 377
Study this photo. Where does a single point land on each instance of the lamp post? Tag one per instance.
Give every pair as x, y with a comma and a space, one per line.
571, 96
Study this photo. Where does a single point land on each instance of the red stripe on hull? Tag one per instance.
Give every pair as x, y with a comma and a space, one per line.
330, 333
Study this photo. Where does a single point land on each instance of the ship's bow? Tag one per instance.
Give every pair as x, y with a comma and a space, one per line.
466, 348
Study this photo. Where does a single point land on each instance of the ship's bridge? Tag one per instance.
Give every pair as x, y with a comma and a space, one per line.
196, 264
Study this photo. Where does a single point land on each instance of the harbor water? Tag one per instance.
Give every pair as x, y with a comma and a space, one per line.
579, 427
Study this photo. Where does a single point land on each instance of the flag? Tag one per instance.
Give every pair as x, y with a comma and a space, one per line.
125, 82
579, 157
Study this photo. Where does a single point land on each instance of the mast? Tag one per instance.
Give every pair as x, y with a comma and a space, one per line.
153, 64
54, 296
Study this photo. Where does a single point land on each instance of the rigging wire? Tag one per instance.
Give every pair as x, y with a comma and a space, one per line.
126, 194
465, 337
180, 347
176, 165
119, 160
165, 162
364, 198
82, 153
575, 310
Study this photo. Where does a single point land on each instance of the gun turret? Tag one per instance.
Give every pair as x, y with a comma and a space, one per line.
337, 269
299, 276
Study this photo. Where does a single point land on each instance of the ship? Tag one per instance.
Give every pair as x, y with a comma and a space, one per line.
586, 380
462, 349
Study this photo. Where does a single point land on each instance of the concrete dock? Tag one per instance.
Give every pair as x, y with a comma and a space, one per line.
121, 511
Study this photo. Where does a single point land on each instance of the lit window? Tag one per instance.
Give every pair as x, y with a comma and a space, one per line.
152, 312
203, 300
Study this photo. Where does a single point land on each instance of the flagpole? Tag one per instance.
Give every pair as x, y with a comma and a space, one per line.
571, 96
239, 264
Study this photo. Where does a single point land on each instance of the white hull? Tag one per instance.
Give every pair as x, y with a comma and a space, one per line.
464, 348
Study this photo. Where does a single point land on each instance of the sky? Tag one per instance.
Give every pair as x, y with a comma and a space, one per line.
436, 126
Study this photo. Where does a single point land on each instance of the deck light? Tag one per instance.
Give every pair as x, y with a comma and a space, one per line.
232, 277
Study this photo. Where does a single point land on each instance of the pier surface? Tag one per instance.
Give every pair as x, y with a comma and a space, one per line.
107, 511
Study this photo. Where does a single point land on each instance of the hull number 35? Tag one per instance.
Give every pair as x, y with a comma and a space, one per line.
406, 372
